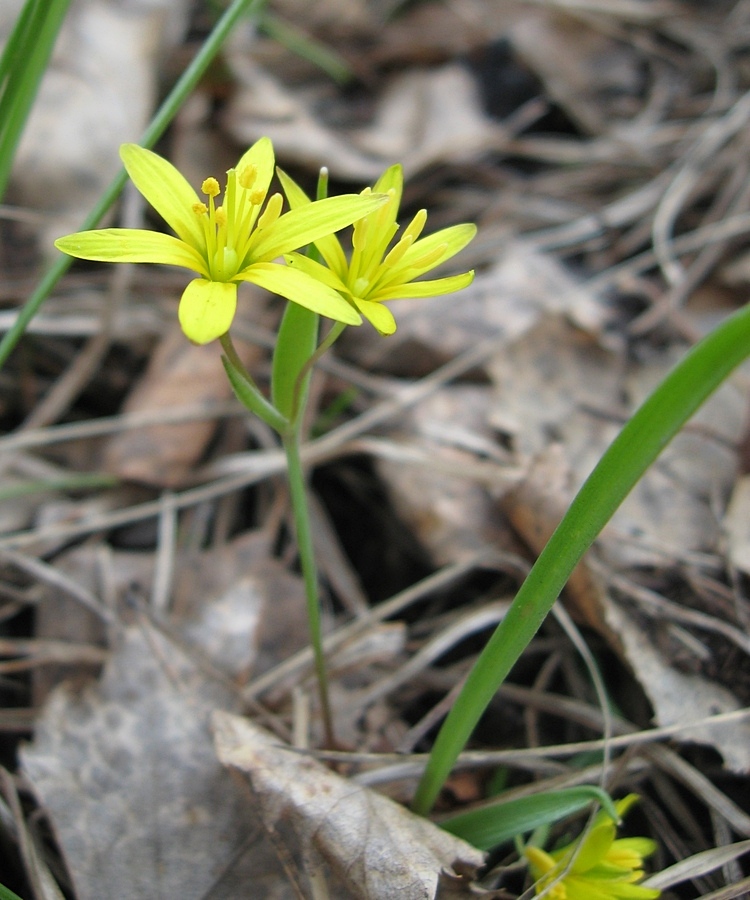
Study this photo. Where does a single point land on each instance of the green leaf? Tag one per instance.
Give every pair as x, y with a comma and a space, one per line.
295, 344
503, 820
22, 65
7, 894
639, 443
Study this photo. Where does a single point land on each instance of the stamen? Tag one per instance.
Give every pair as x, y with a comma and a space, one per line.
210, 187
416, 225
220, 216
247, 176
431, 258
397, 253
200, 209
271, 212
257, 197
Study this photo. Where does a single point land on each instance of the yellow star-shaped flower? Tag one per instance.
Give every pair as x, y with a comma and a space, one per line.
228, 243
375, 273
596, 868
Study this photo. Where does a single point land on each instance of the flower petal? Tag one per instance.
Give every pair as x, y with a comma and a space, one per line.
455, 239
302, 289
329, 245
131, 245
307, 224
392, 178
166, 190
432, 288
207, 309
315, 270
261, 156
377, 315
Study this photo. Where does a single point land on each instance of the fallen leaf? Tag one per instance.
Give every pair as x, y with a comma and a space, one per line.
179, 372
379, 849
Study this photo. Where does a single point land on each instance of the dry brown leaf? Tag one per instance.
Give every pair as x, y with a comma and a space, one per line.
596, 79
179, 372
126, 773
378, 849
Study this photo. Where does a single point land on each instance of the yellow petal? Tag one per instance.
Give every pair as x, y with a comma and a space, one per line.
329, 245
166, 190
306, 224
392, 178
454, 239
301, 288
432, 288
260, 155
377, 314
131, 245
315, 270
207, 309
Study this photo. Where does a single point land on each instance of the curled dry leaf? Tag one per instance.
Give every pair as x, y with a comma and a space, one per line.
378, 849
179, 372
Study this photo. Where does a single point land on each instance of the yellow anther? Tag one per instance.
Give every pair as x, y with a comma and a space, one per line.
210, 187
416, 225
271, 212
200, 209
431, 258
220, 216
247, 176
257, 197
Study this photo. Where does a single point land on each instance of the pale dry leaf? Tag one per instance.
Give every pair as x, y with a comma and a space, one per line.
737, 525
125, 768
452, 517
504, 301
126, 773
178, 372
380, 850
593, 77
667, 688
97, 92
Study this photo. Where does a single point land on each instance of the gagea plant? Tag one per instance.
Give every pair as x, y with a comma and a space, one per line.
241, 234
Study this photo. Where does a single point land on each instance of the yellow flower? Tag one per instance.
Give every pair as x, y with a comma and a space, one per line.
596, 868
374, 273
228, 243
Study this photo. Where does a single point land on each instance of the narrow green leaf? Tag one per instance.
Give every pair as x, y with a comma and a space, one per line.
503, 820
25, 60
7, 894
639, 443
295, 344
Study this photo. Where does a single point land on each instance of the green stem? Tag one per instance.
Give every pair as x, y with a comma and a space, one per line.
166, 112
301, 512
636, 447
247, 391
299, 385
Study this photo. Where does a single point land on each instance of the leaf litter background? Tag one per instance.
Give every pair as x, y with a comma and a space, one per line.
602, 147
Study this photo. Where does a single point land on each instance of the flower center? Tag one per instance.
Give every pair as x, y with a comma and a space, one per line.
228, 228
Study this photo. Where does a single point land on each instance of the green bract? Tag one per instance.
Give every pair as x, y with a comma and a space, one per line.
236, 241
375, 273
596, 868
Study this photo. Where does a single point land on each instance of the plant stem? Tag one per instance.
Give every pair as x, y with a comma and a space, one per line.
333, 335
298, 493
